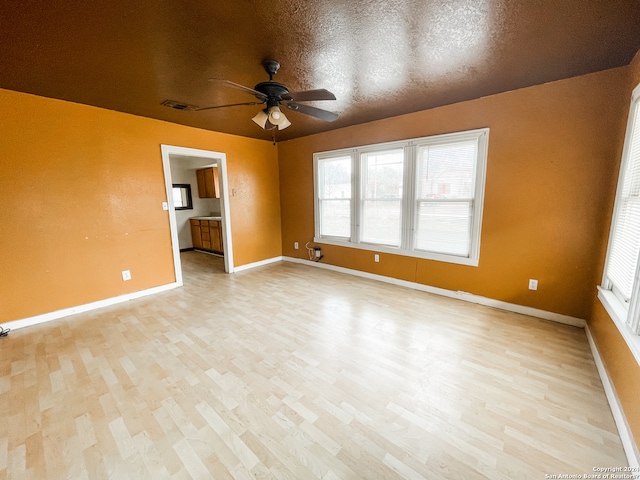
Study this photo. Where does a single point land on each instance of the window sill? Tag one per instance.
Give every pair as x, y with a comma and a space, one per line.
471, 262
619, 314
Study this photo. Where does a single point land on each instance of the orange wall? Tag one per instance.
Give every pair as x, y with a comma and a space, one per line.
550, 179
82, 189
618, 359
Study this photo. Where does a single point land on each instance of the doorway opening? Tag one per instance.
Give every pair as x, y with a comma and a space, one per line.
180, 165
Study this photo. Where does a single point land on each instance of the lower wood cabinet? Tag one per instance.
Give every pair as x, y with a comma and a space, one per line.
215, 232
196, 235
207, 235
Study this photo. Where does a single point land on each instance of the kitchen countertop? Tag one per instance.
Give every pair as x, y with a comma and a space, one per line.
206, 218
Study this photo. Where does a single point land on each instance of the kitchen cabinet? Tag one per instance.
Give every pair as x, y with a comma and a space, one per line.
208, 182
207, 235
196, 235
215, 232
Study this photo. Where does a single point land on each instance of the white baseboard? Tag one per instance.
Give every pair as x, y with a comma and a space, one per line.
47, 317
626, 437
467, 297
257, 264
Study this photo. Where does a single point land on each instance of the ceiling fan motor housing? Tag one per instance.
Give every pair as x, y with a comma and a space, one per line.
273, 90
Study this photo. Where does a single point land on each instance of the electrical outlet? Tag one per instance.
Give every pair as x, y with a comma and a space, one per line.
165, 205
317, 250
126, 275
533, 284
295, 245
376, 257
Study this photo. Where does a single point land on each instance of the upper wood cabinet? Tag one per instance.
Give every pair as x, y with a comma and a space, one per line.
208, 183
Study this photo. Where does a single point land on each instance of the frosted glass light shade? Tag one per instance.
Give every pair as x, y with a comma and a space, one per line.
284, 124
261, 119
276, 117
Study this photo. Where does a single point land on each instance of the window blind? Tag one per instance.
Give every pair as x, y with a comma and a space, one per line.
625, 239
445, 191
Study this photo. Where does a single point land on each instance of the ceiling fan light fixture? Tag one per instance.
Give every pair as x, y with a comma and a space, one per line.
276, 117
270, 118
284, 124
261, 119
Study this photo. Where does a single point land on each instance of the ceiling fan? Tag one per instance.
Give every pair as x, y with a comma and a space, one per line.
275, 94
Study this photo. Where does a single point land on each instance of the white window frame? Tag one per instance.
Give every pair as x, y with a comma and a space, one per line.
408, 201
626, 318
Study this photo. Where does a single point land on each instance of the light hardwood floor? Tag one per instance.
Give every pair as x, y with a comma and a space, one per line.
288, 371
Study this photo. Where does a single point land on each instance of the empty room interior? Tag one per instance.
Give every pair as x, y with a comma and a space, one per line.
333, 240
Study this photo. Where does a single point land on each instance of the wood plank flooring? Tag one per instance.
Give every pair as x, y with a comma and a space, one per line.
292, 372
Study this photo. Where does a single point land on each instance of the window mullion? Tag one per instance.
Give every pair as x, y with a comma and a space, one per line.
316, 196
356, 201
408, 197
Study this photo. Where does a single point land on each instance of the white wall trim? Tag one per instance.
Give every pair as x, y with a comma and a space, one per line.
48, 317
626, 437
257, 264
467, 297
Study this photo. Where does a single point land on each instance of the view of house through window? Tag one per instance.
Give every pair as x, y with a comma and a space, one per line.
422, 197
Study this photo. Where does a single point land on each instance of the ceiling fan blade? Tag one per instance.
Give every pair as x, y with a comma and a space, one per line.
229, 105
311, 95
313, 111
251, 91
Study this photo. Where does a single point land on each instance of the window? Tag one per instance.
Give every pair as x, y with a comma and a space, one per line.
620, 290
334, 197
422, 197
381, 203
182, 196
444, 200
